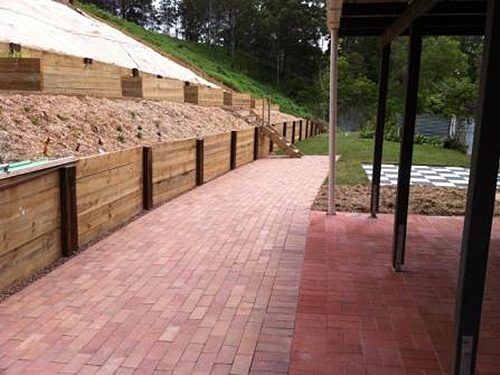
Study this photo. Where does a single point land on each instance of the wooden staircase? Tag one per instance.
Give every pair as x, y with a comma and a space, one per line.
269, 131
282, 143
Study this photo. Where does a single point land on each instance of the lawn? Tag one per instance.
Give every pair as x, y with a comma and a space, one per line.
355, 151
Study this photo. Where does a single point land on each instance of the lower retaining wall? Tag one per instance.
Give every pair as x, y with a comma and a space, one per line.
108, 192
52, 211
174, 169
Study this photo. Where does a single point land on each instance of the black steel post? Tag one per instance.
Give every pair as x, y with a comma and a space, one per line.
256, 143
406, 152
234, 142
69, 215
383, 86
200, 150
147, 177
480, 203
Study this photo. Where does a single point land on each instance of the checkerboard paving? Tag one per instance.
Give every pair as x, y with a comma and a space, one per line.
424, 175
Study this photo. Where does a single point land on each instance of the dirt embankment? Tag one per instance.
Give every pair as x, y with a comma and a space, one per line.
424, 200
37, 126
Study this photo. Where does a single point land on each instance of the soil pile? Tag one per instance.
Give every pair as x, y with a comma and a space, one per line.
37, 126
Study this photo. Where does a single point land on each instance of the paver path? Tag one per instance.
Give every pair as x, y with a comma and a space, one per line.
356, 316
207, 283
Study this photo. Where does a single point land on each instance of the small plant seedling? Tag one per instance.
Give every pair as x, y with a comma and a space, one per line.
119, 128
35, 120
139, 135
120, 138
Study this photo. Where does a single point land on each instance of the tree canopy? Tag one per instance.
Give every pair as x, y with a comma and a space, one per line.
284, 41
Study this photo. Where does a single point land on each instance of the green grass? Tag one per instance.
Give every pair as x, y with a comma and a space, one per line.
242, 73
355, 151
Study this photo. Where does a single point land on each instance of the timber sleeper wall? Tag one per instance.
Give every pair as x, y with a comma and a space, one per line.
109, 192
155, 88
20, 74
174, 169
237, 100
54, 210
203, 96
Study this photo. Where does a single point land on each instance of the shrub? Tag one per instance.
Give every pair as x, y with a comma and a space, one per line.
428, 140
367, 131
455, 144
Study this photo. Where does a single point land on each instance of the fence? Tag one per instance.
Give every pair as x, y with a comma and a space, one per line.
53, 210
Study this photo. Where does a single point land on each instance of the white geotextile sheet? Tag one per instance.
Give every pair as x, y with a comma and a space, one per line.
51, 26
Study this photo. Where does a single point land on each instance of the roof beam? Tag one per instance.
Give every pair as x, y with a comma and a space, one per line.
416, 9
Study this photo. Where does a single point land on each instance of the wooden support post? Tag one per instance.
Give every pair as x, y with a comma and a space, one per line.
147, 177
271, 146
200, 149
69, 215
300, 131
307, 129
256, 143
383, 86
406, 151
480, 203
284, 129
234, 143
311, 125
294, 127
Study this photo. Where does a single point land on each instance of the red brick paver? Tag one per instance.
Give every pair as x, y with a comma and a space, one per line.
207, 283
356, 316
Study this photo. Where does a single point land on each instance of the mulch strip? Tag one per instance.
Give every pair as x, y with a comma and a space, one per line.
424, 200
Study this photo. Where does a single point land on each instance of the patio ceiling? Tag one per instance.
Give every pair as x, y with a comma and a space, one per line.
375, 17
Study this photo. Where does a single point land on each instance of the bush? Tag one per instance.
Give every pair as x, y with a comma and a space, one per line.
368, 131
455, 144
428, 140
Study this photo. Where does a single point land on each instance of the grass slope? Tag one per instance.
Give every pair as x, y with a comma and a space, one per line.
243, 73
355, 151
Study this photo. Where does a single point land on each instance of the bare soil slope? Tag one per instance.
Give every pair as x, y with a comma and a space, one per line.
36, 126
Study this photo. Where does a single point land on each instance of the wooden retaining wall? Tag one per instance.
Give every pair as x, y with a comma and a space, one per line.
54, 73
237, 100
217, 156
72, 76
104, 193
245, 147
109, 192
174, 169
203, 96
154, 88
20, 74
264, 145
29, 226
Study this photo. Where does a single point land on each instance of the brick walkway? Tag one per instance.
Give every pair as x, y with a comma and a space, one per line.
205, 284
356, 316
